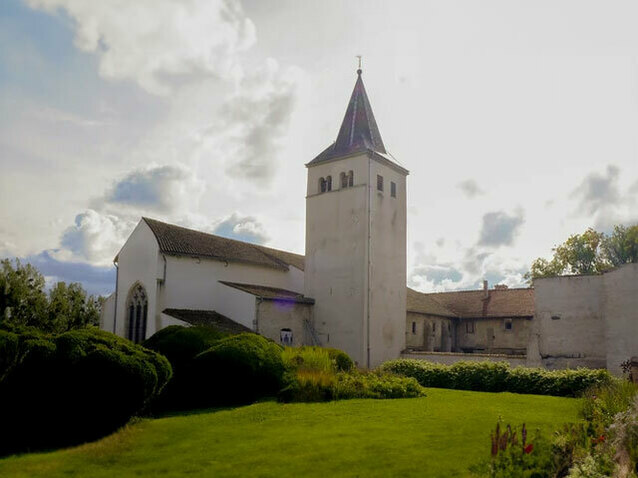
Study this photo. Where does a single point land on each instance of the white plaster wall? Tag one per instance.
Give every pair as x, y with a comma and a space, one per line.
236, 305
578, 337
336, 235
138, 262
387, 264
193, 283
621, 315
167, 320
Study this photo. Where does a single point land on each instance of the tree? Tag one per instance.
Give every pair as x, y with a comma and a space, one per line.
621, 247
24, 301
591, 252
71, 308
22, 297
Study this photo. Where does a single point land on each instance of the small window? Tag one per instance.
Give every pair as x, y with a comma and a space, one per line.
469, 327
329, 183
379, 182
344, 180
350, 178
433, 326
393, 189
555, 317
508, 324
414, 327
322, 185
285, 337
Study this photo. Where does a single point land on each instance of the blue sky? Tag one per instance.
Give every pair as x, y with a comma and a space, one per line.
516, 119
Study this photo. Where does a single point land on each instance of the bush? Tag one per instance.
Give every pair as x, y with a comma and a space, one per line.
180, 345
376, 385
342, 360
499, 377
316, 374
74, 387
239, 369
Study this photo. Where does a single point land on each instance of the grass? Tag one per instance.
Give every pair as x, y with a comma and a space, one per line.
438, 436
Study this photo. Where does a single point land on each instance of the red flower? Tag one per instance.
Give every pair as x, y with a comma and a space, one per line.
528, 449
601, 438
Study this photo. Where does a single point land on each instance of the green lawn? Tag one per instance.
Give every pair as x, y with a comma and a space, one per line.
436, 436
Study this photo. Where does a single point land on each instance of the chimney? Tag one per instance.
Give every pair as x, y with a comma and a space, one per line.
486, 293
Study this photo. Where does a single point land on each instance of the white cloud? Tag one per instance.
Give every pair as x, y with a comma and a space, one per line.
164, 189
243, 228
158, 43
95, 238
500, 228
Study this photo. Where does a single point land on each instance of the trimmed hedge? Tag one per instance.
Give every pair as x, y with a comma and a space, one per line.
499, 377
239, 369
75, 387
342, 360
180, 345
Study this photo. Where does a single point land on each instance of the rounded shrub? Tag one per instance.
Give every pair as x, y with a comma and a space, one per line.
239, 369
342, 360
75, 387
180, 345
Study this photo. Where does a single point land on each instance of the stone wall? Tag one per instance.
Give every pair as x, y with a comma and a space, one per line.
492, 336
272, 316
429, 332
569, 328
620, 309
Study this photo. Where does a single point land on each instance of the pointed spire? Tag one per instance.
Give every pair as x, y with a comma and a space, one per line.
359, 130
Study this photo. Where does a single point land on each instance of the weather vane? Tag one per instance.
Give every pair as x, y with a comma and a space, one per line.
359, 57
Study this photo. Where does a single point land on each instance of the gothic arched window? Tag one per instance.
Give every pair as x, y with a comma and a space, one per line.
350, 178
329, 183
344, 180
322, 185
137, 311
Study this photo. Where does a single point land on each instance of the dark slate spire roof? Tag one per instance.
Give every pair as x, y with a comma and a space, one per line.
359, 131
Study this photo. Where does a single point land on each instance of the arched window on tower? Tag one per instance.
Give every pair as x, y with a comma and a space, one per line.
322, 185
137, 307
329, 183
350, 178
344, 180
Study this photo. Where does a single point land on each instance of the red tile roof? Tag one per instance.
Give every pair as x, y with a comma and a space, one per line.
472, 304
181, 241
270, 293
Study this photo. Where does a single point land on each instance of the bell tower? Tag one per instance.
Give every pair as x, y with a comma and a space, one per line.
356, 240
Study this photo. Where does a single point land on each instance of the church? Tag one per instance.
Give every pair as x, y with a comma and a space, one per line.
349, 290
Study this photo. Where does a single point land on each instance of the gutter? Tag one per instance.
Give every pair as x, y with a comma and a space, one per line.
368, 265
117, 280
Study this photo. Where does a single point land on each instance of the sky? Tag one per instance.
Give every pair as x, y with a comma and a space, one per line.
516, 119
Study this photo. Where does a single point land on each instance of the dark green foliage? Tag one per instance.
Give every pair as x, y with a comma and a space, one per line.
342, 360
23, 301
499, 377
180, 345
239, 369
376, 385
74, 387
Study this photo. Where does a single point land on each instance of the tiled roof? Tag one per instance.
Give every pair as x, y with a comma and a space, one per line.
270, 293
181, 241
209, 318
500, 302
425, 304
359, 131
